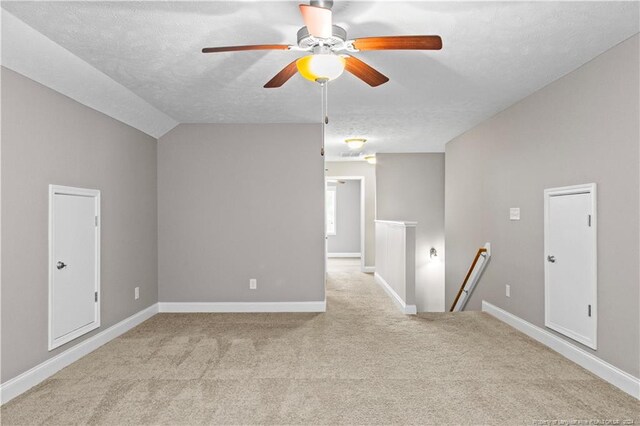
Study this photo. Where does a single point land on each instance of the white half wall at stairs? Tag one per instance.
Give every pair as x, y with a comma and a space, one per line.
30, 53
396, 261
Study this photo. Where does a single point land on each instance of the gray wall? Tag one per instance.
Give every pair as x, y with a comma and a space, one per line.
48, 138
582, 128
347, 238
237, 202
410, 187
368, 171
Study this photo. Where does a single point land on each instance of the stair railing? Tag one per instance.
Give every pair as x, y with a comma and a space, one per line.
471, 279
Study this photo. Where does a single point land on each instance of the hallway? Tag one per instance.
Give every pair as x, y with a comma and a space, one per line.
361, 362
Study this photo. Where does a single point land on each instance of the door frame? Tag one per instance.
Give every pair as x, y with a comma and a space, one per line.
82, 192
588, 188
362, 208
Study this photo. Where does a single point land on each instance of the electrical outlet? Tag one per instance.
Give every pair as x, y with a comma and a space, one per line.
136, 293
253, 284
508, 290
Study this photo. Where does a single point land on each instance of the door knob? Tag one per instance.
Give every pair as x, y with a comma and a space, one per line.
551, 259
60, 265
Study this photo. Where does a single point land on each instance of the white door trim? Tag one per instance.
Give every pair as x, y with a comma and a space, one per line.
589, 188
82, 192
362, 223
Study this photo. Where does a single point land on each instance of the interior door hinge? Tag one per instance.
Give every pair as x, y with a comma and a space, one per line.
96, 221
589, 310
96, 296
589, 220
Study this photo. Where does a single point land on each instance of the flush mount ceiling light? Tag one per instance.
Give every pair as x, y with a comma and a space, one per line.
371, 159
355, 143
321, 66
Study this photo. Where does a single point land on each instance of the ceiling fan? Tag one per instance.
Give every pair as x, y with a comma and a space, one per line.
330, 49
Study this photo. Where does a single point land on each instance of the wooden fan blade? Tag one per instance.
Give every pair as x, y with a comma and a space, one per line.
243, 48
419, 42
364, 72
317, 20
283, 76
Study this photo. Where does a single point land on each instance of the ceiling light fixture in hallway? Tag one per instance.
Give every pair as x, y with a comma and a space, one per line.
355, 143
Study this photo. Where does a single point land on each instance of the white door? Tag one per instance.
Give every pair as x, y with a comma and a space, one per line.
570, 262
74, 241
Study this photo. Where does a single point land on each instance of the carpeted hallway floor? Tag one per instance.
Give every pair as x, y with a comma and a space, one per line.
361, 362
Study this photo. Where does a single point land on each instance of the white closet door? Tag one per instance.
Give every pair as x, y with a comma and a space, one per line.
74, 264
570, 283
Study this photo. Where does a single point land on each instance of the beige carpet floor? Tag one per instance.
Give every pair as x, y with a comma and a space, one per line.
361, 362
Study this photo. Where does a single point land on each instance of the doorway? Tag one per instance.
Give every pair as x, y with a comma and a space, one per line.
570, 262
344, 216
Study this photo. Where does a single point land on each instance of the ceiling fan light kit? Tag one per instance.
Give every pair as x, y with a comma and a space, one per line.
321, 67
329, 51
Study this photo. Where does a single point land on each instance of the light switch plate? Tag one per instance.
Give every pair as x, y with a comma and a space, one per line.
136, 293
253, 284
514, 213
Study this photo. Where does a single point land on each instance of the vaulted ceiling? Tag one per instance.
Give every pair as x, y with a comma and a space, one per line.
494, 54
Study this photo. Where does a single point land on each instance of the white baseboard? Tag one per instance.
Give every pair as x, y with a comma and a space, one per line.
597, 366
369, 269
25, 381
242, 307
407, 309
358, 255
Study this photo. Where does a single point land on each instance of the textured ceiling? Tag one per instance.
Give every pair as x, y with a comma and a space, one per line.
28, 52
494, 54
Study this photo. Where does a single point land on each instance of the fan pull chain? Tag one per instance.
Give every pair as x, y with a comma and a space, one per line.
325, 114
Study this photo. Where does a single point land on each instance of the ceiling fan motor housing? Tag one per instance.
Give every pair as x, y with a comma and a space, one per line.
327, 4
337, 41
